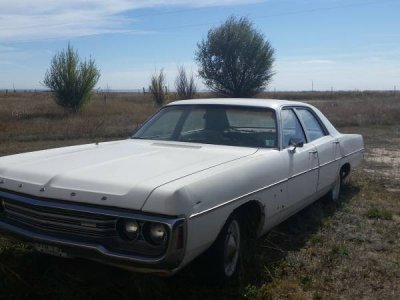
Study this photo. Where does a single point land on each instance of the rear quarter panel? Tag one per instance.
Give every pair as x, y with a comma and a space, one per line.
352, 149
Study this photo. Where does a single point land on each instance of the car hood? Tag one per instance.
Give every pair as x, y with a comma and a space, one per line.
120, 174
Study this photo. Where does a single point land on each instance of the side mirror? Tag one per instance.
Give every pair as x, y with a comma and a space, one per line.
295, 142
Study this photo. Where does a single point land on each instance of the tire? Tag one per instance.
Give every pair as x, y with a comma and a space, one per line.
334, 194
223, 259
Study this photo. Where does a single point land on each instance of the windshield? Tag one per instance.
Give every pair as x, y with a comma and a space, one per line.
213, 124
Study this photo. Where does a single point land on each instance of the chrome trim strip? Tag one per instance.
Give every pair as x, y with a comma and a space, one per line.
236, 199
330, 162
339, 158
62, 218
268, 186
62, 226
354, 152
82, 208
250, 193
41, 238
304, 172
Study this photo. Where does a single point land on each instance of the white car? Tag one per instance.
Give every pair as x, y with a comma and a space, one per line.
195, 178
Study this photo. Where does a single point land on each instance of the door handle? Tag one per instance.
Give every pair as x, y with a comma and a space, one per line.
313, 151
336, 142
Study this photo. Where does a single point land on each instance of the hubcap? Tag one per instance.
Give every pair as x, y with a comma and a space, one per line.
231, 249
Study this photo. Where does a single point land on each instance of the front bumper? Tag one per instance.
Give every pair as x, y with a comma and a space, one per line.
68, 245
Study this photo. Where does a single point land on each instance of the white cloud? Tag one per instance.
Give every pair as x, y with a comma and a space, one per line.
26, 20
317, 62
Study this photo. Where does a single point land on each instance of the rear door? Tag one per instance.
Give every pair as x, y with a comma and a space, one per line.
326, 145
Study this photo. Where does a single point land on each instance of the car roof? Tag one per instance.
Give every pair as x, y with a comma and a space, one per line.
269, 103
255, 102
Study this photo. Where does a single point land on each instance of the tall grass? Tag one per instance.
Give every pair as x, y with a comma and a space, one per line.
35, 117
344, 108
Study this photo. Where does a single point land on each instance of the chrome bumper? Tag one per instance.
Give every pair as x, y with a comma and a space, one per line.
165, 264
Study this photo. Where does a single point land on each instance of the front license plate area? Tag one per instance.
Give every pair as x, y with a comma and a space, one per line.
51, 250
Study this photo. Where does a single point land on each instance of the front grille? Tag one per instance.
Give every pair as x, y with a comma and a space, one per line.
76, 222
58, 220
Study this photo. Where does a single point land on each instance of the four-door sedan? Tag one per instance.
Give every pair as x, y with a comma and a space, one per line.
196, 177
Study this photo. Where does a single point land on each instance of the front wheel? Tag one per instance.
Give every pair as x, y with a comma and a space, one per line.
224, 256
232, 247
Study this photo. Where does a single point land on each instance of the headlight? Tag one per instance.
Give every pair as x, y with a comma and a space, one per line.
153, 233
156, 233
130, 229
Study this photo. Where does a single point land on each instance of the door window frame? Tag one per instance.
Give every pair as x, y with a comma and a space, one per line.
322, 126
291, 108
294, 108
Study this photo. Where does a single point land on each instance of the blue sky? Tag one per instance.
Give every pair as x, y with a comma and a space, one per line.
339, 44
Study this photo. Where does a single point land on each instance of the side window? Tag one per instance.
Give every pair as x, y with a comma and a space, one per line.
311, 124
291, 127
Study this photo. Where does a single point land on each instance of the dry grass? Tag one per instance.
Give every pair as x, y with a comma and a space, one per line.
346, 250
350, 108
27, 118
353, 254
35, 119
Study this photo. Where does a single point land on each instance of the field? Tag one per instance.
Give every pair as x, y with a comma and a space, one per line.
347, 250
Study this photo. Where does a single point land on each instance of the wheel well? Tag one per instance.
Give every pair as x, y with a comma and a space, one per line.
251, 215
345, 170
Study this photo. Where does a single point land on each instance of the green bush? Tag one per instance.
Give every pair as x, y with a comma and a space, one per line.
377, 213
71, 80
235, 60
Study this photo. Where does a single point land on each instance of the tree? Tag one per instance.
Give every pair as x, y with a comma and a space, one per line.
71, 80
158, 88
235, 59
185, 87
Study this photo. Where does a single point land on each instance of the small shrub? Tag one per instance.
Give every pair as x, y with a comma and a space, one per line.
157, 88
252, 292
340, 250
377, 213
283, 289
316, 239
185, 87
